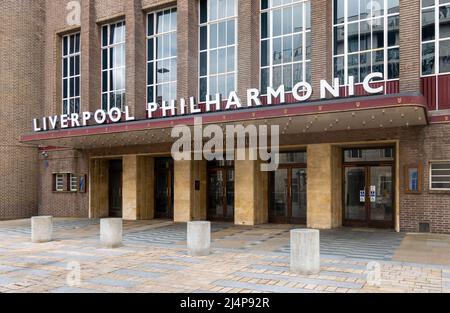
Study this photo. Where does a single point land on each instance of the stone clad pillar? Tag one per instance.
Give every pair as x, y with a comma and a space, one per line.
324, 186
138, 187
251, 193
183, 191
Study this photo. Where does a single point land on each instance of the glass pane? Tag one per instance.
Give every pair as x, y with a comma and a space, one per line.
230, 194
297, 73
265, 53
264, 25
428, 27
222, 37
353, 66
339, 69
353, 37
428, 58
393, 63
365, 65
203, 11
378, 62
293, 157
413, 179
203, 63
277, 53
378, 33
369, 155
339, 9
277, 76
353, 10
355, 193
393, 6
297, 47
427, 3
213, 36
381, 193
215, 194
365, 36
231, 32
287, 49
444, 21
264, 80
287, 77
150, 25
339, 39
221, 60
231, 59
279, 196
203, 38
299, 189
287, 20
393, 31
277, 22
444, 56
298, 18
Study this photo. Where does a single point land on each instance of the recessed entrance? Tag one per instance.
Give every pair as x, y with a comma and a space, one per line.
115, 188
221, 191
369, 188
288, 187
164, 188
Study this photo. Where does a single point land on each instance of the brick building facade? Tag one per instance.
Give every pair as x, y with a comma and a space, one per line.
407, 122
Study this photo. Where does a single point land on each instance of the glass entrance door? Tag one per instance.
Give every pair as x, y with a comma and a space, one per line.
221, 192
164, 191
288, 196
369, 200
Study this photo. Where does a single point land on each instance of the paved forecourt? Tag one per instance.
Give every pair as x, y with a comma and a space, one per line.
154, 258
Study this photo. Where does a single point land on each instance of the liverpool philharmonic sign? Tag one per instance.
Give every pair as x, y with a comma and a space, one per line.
301, 92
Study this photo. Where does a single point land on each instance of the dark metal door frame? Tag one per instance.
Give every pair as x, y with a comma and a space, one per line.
224, 171
117, 211
288, 219
367, 171
169, 172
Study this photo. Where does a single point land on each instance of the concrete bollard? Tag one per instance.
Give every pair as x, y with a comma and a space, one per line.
199, 238
41, 229
111, 230
305, 251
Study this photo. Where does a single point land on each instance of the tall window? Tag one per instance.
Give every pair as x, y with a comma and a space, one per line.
285, 43
218, 49
435, 37
71, 73
113, 66
162, 56
366, 39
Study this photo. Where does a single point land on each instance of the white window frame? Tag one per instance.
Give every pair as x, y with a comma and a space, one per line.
208, 50
385, 48
59, 182
69, 56
270, 39
73, 182
436, 42
437, 39
112, 69
155, 59
431, 175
